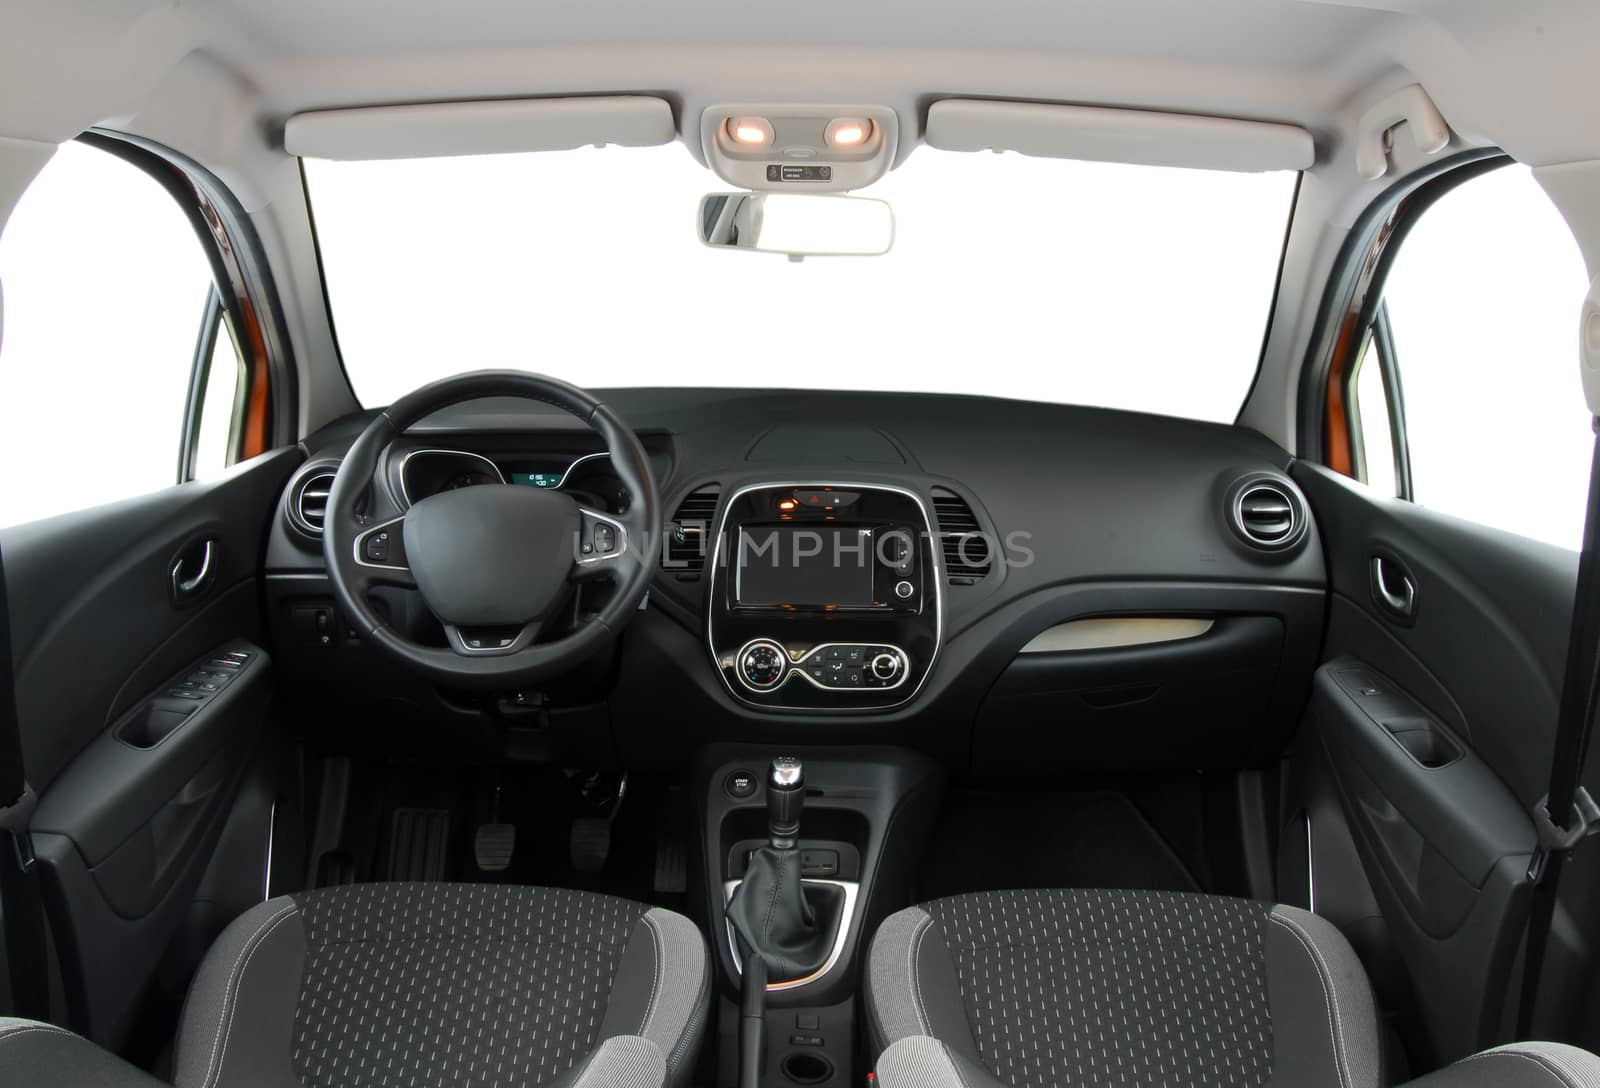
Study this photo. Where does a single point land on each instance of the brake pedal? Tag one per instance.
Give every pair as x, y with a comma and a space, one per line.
493, 846
494, 842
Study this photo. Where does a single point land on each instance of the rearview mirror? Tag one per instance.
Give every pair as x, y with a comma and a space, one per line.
797, 224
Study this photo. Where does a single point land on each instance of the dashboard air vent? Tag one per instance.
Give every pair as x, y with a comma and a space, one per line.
308, 503
967, 556
1267, 514
690, 532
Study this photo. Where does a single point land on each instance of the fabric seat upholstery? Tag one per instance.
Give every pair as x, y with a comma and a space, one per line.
446, 984
1111, 988
920, 1061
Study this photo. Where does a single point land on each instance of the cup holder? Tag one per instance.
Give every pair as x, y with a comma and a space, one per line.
804, 1067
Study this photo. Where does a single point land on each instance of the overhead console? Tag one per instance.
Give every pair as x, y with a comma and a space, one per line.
824, 596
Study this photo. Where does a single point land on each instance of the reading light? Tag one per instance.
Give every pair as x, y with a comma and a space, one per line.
787, 504
848, 131
754, 131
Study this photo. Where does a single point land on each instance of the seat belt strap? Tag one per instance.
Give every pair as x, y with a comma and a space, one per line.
1580, 701
21, 905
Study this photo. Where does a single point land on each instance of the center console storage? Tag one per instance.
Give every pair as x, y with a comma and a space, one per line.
824, 596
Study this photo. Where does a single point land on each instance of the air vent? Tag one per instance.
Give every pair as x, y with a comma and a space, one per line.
1267, 514
690, 532
967, 556
308, 504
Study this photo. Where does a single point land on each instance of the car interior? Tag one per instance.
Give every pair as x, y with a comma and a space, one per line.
752, 546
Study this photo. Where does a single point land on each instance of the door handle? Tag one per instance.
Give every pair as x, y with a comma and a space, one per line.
201, 555
1393, 588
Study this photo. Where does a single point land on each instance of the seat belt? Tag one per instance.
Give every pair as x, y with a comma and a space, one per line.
21, 907
1580, 702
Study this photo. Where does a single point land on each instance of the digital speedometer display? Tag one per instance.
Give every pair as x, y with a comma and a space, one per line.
537, 479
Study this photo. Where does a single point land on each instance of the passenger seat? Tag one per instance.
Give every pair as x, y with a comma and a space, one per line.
1103, 989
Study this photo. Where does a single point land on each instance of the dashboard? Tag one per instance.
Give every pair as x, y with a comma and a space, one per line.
1003, 540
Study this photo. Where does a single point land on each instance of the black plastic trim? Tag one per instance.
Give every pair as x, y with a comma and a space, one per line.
1401, 204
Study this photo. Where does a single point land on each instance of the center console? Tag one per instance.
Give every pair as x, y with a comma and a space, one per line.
824, 596
850, 824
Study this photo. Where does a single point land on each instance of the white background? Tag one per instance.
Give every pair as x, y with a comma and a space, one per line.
1111, 285
1090, 283
1484, 299
105, 285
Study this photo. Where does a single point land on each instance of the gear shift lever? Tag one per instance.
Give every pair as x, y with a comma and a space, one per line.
771, 910
786, 798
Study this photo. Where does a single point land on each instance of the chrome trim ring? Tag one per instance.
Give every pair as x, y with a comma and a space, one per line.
783, 677
936, 553
852, 891
586, 457
799, 666
607, 557
361, 538
405, 463
524, 638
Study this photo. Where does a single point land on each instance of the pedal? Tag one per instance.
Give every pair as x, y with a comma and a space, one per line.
493, 846
589, 843
672, 866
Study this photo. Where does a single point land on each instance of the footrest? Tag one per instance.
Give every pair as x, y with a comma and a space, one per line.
672, 867
419, 844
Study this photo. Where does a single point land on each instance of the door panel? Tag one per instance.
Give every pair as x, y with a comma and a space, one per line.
1432, 721
143, 694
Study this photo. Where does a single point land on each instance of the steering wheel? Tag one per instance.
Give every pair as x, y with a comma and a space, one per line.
493, 561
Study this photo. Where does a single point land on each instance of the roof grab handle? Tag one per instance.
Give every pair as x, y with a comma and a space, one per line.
1409, 106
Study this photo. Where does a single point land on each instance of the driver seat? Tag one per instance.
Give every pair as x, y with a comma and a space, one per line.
369, 985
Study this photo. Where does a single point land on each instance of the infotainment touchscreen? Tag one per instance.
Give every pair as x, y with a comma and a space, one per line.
807, 566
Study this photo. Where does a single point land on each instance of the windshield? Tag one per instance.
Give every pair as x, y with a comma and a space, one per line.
1089, 283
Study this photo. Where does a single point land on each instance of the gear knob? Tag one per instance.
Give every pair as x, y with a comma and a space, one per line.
786, 797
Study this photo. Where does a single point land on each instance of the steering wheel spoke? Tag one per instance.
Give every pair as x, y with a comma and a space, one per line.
380, 555
491, 641
603, 542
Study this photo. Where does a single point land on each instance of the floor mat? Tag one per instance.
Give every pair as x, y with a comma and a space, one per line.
420, 823
991, 840
419, 844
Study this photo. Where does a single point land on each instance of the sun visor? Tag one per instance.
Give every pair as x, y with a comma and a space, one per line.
1100, 134
433, 129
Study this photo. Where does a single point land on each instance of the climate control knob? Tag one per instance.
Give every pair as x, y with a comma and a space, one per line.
763, 664
885, 666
